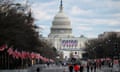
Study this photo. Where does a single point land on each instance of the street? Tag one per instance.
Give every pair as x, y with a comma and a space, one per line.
65, 69
56, 69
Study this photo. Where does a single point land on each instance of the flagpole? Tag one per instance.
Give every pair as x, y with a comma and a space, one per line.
8, 61
21, 62
5, 59
2, 59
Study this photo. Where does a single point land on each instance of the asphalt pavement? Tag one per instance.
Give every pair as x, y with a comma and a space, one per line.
55, 68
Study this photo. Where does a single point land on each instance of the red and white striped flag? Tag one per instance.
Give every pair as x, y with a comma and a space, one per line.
10, 51
23, 55
33, 55
16, 55
37, 56
3, 47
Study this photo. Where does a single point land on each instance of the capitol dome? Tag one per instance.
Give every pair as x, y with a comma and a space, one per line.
61, 24
61, 21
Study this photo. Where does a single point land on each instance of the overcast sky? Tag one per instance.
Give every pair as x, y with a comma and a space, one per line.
88, 17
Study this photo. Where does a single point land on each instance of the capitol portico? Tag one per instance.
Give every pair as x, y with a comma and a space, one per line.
62, 38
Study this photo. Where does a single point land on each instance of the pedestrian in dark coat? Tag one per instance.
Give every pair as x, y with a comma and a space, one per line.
87, 67
94, 66
81, 68
70, 68
91, 67
38, 70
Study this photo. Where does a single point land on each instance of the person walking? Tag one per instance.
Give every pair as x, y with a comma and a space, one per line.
94, 66
87, 67
76, 67
91, 68
81, 68
70, 68
38, 69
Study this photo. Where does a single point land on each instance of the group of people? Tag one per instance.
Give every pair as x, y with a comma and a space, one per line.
75, 67
90, 66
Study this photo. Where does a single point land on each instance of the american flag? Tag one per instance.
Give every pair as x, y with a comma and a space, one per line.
23, 55
66, 43
3, 47
76, 42
63, 43
71, 43
10, 51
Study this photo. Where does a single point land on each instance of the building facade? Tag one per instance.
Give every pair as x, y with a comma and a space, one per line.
106, 34
62, 39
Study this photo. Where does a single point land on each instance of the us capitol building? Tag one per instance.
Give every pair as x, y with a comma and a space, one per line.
62, 39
